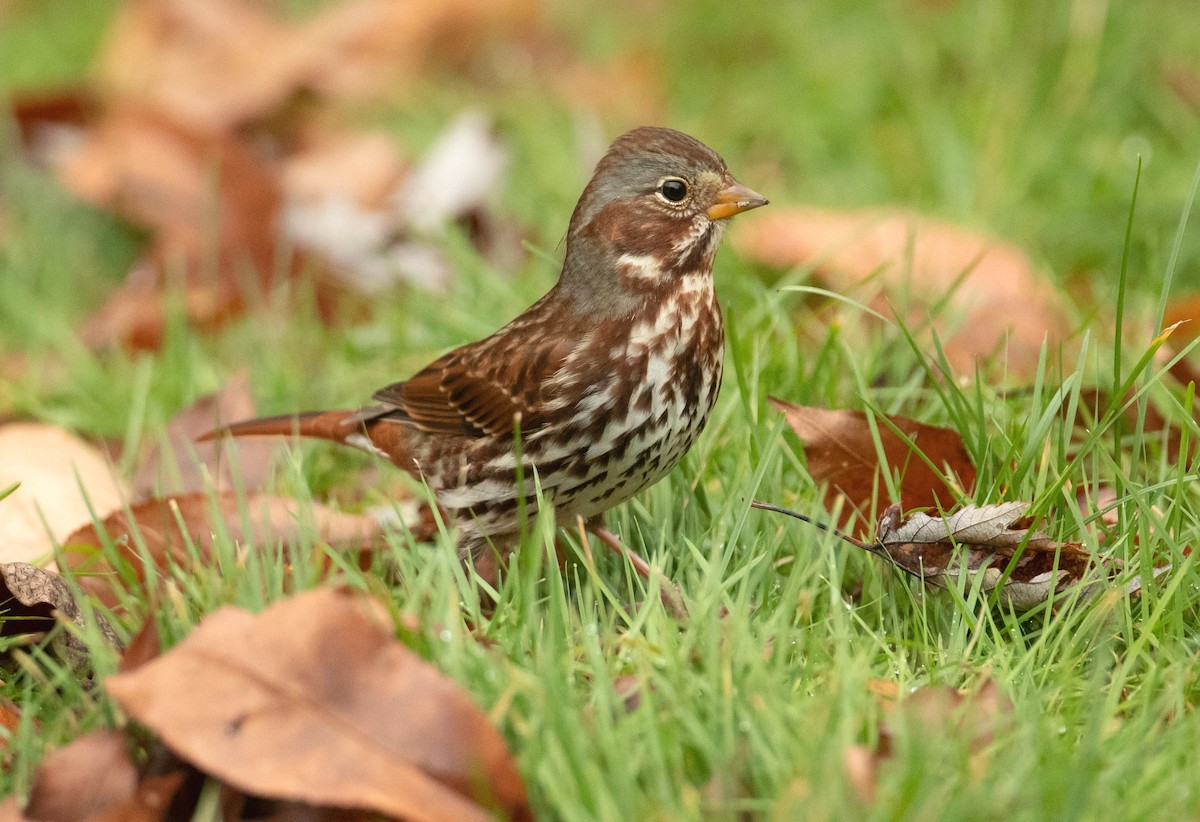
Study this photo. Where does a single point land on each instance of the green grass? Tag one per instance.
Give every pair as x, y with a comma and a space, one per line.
1025, 120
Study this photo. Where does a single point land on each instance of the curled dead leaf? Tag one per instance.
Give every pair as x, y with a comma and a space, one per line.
315, 701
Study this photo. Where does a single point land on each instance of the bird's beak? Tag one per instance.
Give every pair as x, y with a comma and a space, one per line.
734, 199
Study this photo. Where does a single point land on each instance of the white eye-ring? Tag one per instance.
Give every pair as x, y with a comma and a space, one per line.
673, 190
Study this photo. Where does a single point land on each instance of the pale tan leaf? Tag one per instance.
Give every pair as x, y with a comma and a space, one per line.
62, 480
998, 305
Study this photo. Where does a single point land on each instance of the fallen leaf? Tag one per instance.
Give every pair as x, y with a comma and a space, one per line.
81, 780
212, 206
210, 202
145, 646
171, 527
840, 451
1183, 311
10, 715
184, 464
315, 701
62, 481
995, 303
355, 169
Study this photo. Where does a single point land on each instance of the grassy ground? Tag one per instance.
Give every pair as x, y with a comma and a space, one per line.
1027, 120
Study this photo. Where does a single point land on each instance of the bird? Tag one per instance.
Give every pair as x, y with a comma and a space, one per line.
594, 392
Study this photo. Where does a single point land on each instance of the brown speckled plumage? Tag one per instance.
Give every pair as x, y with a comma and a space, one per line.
608, 378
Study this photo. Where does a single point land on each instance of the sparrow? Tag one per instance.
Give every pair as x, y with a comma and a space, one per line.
594, 392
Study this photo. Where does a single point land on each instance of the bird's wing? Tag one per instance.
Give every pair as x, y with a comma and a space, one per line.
478, 390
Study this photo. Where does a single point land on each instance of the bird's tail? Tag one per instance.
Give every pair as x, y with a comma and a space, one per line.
323, 425
364, 428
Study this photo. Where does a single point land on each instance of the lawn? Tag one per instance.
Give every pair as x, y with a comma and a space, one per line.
809, 680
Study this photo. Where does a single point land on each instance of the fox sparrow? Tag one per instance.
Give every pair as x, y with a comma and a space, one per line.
600, 387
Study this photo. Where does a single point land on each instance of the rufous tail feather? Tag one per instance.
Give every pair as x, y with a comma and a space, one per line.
322, 425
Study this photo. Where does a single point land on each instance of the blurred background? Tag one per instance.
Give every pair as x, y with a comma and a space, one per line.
227, 142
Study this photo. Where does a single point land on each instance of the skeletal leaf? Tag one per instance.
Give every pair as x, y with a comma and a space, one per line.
983, 539
32, 600
992, 543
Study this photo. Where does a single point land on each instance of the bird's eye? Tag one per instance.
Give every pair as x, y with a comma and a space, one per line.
673, 189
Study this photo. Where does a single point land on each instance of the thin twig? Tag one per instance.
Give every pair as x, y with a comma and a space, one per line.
766, 506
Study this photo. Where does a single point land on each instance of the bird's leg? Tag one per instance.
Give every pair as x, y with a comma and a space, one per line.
672, 597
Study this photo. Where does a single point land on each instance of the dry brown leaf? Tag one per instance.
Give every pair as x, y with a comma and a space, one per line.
314, 700
10, 714
211, 204
997, 303
81, 780
213, 209
145, 646
1185, 312
60, 477
268, 521
840, 451
184, 464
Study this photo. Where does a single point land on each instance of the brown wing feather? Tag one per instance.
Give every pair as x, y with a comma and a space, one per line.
478, 389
